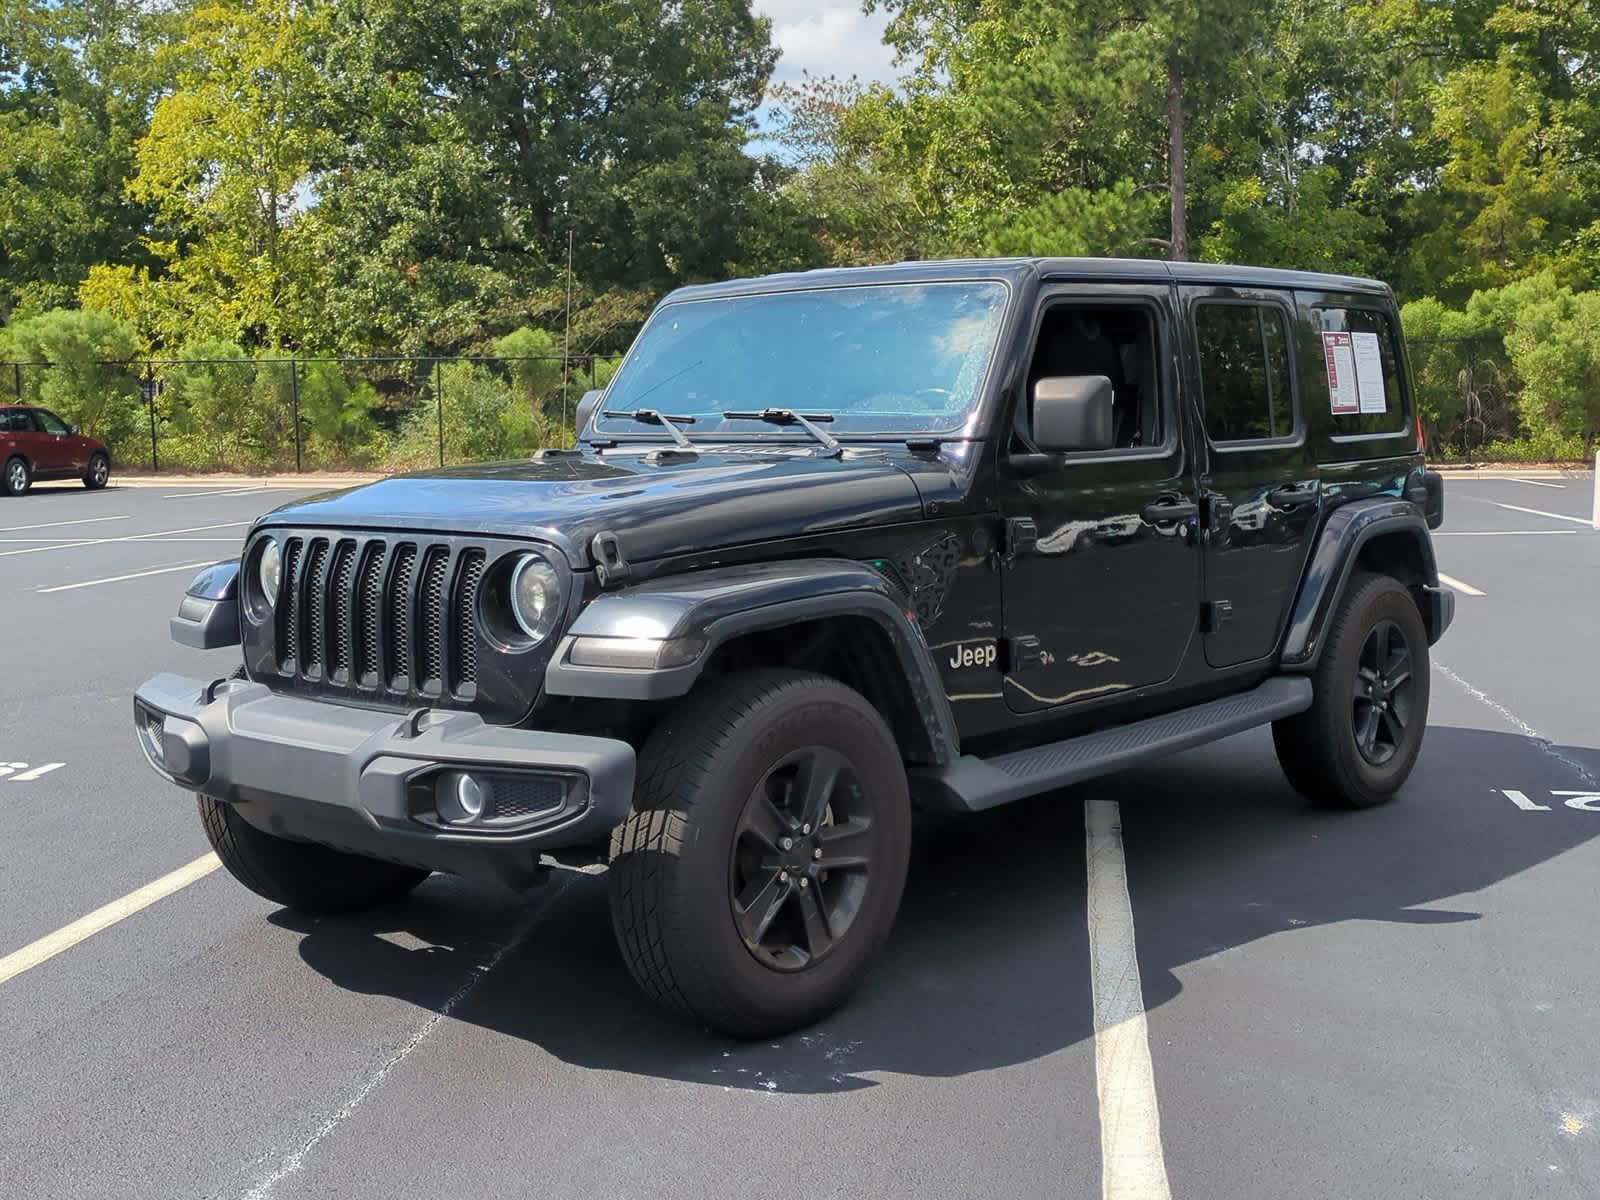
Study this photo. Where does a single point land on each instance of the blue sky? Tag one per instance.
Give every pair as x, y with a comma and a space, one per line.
827, 37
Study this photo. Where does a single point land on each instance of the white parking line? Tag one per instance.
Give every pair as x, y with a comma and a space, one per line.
135, 537
1132, 1165
72, 587
59, 524
163, 541
295, 1160
85, 927
1465, 589
1504, 532
1539, 512
1537, 483
249, 491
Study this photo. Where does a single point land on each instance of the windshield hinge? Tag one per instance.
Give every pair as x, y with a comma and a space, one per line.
1022, 535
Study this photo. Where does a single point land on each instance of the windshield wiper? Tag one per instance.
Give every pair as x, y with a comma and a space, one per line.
787, 416
649, 416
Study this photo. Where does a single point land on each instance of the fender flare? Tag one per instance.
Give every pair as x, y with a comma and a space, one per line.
683, 619
1347, 529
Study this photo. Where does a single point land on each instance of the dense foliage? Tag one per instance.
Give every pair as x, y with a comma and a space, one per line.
230, 183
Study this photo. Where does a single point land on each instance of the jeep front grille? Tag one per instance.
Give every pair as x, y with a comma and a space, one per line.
360, 614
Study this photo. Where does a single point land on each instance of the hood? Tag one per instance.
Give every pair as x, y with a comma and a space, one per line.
657, 505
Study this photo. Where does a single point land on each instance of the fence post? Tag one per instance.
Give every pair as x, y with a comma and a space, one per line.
294, 400
150, 401
438, 399
1472, 390
1596, 517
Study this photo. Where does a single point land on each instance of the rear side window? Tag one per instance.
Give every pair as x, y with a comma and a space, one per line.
1244, 372
15, 421
1360, 379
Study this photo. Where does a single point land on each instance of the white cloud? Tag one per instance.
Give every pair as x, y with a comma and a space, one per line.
828, 37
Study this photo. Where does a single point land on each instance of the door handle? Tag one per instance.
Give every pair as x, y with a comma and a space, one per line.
1288, 497
1170, 509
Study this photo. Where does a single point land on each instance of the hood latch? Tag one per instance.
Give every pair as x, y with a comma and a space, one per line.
609, 565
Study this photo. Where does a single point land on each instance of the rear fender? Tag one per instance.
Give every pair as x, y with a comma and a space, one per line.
1348, 529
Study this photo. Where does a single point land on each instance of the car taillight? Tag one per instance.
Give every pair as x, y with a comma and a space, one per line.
1422, 444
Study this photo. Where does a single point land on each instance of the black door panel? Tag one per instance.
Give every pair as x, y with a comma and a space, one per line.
1106, 598
1260, 483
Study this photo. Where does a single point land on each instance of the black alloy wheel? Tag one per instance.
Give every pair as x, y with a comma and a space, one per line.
760, 869
801, 859
1355, 746
1384, 694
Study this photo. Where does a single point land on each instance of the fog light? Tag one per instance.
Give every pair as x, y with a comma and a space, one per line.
460, 798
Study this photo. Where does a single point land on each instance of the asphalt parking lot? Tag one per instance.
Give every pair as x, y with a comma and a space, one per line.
1394, 1003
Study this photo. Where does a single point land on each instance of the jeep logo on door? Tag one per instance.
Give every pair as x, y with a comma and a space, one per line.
981, 655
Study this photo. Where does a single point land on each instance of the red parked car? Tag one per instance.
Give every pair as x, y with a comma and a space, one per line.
37, 444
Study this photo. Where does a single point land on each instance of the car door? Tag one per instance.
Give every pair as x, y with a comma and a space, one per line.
1260, 485
58, 449
1101, 573
27, 437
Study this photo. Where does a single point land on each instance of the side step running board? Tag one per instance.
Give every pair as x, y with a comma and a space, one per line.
971, 784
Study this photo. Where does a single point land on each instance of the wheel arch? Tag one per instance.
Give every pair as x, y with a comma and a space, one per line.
1385, 537
834, 616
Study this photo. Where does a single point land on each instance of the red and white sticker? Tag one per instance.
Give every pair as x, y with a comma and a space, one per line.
1338, 350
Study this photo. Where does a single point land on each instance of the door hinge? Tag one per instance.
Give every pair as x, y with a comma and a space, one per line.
1214, 614
1023, 652
1022, 535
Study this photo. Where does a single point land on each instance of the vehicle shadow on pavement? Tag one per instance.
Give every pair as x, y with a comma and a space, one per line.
988, 965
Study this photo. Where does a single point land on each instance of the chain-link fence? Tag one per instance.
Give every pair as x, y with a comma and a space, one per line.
307, 414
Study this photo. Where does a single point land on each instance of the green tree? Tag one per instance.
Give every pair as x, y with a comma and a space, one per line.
76, 81
228, 161
91, 378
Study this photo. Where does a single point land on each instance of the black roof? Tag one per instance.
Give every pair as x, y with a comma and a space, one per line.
1019, 269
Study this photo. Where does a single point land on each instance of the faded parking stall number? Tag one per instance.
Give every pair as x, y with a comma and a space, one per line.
1582, 801
21, 772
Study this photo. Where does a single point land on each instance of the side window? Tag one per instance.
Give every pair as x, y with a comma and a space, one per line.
1244, 371
1362, 371
49, 422
15, 421
1117, 341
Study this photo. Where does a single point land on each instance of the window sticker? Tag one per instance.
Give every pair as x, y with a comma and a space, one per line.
1369, 373
1343, 398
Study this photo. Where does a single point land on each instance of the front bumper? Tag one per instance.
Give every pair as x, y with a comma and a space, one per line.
365, 781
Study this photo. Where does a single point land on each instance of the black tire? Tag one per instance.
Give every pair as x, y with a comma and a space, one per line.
298, 875
98, 472
712, 771
15, 476
1356, 744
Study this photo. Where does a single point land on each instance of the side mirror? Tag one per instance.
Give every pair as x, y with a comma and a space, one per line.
1072, 412
73, 430
584, 411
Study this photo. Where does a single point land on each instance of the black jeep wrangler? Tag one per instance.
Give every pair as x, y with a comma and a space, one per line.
833, 547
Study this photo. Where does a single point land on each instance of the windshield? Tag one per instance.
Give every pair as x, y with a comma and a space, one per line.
898, 358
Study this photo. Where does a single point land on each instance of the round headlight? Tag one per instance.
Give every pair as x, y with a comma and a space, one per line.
535, 596
269, 572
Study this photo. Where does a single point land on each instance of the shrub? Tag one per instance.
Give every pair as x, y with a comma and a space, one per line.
485, 419
91, 380
208, 407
